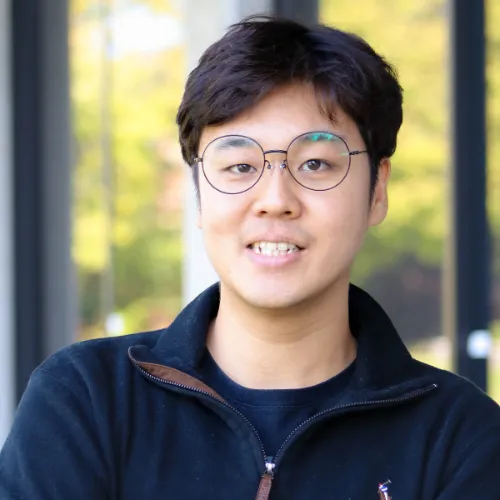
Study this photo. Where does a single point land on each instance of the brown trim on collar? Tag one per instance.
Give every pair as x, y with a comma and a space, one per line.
171, 375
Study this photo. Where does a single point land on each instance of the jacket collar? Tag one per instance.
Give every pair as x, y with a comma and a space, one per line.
384, 367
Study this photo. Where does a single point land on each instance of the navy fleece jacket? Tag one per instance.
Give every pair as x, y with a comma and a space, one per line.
130, 418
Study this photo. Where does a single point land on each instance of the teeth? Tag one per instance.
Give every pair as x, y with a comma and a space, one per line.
273, 249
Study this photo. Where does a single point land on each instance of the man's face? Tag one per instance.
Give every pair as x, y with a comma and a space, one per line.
326, 227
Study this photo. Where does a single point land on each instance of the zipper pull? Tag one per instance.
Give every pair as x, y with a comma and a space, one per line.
266, 481
270, 465
383, 490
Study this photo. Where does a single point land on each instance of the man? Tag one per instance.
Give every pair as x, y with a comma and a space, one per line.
282, 382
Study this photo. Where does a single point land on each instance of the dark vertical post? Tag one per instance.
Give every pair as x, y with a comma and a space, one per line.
27, 189
58, 270
304, 11
469, 287
41, 158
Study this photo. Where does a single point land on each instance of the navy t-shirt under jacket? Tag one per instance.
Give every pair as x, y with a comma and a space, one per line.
275, 414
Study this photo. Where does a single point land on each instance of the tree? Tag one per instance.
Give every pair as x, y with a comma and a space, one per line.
130, 230
406, 251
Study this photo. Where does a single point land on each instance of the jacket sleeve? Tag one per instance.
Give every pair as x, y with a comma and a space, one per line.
52, 451
476, 474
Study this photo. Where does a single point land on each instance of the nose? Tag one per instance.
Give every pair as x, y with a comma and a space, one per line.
275, 194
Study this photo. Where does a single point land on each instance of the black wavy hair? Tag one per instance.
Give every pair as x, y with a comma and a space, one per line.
260, 54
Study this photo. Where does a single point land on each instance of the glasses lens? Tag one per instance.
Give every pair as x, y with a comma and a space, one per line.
233, 164
318, 160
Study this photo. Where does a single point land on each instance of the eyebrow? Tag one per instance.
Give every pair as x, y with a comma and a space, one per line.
233, 142
229, 142
320, 136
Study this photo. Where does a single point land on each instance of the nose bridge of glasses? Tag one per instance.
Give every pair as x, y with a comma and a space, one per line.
278, 155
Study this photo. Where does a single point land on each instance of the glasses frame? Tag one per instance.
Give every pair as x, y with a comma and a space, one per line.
283, 165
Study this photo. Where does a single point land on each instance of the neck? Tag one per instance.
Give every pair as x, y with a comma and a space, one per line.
283, 349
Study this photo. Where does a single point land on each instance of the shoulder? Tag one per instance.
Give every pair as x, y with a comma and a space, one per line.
457, 391
460, 408
464, 427
98, 362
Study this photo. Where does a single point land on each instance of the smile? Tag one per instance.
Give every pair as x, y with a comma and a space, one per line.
274, 249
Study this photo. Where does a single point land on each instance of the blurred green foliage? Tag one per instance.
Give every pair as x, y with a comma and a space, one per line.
133, 97
413, 36
402, 259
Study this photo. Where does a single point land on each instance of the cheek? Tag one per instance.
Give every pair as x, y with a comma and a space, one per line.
355, 216
355, 194
219, 216
221, 222
347, 206
343, 223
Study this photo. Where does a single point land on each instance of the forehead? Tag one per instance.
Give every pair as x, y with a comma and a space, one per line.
282, 115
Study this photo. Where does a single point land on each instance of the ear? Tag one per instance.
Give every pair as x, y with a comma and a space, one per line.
380, 202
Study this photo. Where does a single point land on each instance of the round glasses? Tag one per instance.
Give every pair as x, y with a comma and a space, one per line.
318, 161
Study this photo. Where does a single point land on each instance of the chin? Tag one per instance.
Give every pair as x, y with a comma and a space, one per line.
272, 304
270, 298
281, 294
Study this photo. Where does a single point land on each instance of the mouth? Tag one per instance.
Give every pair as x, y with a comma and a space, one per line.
273, 248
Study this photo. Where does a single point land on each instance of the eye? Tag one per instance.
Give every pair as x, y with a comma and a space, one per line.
242, 168
314, 165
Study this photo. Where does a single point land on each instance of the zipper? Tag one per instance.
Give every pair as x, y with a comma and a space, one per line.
221, 401
267, 477
380, 402
266, 481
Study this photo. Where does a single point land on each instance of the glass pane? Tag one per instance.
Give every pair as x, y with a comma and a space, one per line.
493, 108
128, 69
401, 262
